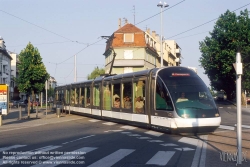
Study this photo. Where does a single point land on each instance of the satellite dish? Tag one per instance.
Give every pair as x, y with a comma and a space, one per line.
177, 60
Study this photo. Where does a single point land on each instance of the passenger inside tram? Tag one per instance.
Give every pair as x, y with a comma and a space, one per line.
182, 98
117, 102
127, 102
139, 105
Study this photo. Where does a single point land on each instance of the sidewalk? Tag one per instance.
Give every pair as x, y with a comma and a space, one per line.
12, 121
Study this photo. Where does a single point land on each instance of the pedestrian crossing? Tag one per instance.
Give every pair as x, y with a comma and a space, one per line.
52, 155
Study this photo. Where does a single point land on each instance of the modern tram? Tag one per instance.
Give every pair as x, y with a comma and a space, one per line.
169, 99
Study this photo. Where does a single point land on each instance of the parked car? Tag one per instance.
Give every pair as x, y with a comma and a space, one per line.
248, 98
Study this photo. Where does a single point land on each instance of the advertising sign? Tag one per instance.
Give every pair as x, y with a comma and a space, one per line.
4, 99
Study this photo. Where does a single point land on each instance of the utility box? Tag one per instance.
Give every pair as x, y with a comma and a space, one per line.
58, 112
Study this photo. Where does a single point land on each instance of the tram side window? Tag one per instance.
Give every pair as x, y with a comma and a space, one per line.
87, 97
106, 97
162, 98
77, 96
72, 96
57, 93
96, 95
116, 96
139, 94
127, 95
67, 96
81, 98
61, 97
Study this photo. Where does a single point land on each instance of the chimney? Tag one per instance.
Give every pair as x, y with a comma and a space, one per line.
157, 37
153, 34
119, 23
148, 30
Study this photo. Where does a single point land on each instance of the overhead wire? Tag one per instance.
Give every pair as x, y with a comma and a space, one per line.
80, 51
204, 23
41, 27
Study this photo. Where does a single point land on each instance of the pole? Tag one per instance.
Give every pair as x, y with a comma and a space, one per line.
75, 70
46, 85
1, 119
161, 40
238, 91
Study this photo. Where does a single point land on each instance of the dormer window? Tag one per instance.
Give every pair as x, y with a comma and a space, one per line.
129, 37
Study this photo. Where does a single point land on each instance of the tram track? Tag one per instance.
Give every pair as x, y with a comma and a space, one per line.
230, 138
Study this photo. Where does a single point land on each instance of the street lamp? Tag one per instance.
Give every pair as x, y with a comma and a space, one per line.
162, 5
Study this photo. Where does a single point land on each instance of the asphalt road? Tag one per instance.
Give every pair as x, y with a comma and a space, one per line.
82, 141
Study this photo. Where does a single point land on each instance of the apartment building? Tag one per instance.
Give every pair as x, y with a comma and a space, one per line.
133, 49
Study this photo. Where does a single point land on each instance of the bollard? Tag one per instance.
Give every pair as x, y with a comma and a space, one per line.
58, 112
20, 112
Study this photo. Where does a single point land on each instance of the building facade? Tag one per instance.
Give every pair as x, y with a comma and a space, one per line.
129, 49
5, 66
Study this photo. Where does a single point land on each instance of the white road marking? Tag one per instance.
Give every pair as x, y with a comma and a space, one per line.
65, 157
22, 155
129, 127
10, 147
154, 133
109, 123
94, 120
125, 132
200, 153
188, 141
169, 144
197, 153
157, 141
133, 135
143, 137
184, 149
226, 127
161, 158
243, 126
78, 139
204, 152
112, 158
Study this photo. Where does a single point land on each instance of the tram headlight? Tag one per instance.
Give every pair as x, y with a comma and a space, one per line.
217, 115
185, 115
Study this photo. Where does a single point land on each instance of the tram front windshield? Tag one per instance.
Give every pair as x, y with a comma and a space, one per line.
189, 93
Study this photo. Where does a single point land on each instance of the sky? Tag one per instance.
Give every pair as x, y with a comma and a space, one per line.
61, 29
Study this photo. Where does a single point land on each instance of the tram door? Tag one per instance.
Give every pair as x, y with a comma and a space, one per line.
162, 111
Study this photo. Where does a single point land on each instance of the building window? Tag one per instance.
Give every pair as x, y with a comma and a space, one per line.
128, 54
128, 37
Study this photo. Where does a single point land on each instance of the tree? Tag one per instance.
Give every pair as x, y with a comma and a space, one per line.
32, 72
96, 72
230, 34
